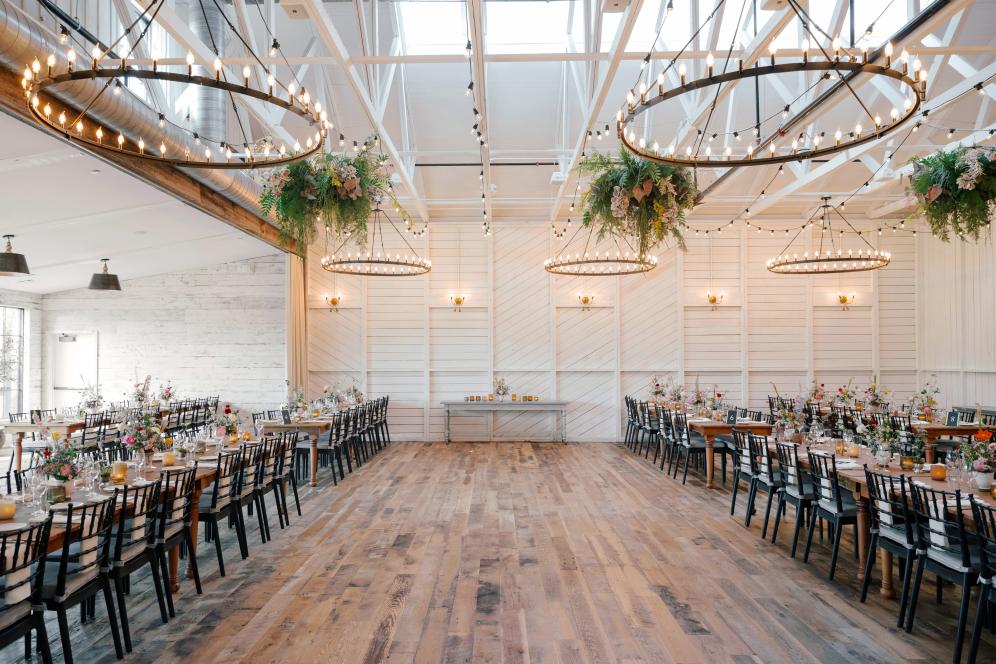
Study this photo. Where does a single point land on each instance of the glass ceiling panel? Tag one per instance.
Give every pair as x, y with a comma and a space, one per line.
433, 28
529, 27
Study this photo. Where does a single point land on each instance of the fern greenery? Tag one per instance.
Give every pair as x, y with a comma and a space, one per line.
956, 191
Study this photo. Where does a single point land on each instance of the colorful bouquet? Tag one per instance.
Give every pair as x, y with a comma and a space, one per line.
140, 392
167, 392
980, 451
658, 388
143, 433
924, 400
875, 394
354, 394
697, 397
230, 420
715, 400
817, 392
845, 395
677, 393
59, 462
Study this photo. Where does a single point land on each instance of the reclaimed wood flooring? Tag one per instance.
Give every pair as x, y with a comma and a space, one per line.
521, 552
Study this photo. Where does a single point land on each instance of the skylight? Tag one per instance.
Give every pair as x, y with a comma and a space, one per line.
528, 27
434, 28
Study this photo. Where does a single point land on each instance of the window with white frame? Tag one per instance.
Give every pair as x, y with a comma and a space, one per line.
11, 360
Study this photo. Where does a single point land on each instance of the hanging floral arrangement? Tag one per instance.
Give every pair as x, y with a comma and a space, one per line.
337, 191
635, 198
956, 191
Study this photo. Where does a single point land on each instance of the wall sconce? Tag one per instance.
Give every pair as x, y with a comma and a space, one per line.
333, 301
457, 301
845, 300
586, 300
715, 299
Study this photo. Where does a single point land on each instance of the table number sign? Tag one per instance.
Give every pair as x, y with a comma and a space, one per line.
952, 418
286, 415
731, 416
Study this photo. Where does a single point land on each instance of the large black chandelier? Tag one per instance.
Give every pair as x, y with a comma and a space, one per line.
830, 63
587, 261
828, 257
109, 73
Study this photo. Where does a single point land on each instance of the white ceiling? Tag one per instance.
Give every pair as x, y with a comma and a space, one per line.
68, 210
536, 103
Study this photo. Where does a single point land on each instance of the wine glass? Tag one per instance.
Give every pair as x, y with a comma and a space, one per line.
258, 425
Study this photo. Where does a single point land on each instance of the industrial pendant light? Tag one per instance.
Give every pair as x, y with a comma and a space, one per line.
11, 263
103, 280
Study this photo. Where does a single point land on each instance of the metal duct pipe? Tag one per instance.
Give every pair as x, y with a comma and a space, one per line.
21, 40
208, 111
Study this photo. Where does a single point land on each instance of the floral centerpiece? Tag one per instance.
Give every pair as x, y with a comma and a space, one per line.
353, 393
817, 392
658, 388
338, 190
696, 397
882, 440
923, 403
715, 400
845, 395
229, 419
501, 389
140, 392
59, 462
295, 400
143, 433
633, 197
980, 453
956, 190
676, 393
167, 392
875, 394
91, 399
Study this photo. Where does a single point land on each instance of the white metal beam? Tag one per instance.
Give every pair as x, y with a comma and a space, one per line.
475, 20
619, 42
337, 49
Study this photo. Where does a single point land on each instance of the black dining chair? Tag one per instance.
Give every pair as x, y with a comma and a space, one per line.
174, 521
22, 575
893, 528
984, 516
947, 550
219, 502
797, 490
79, 568
834, 503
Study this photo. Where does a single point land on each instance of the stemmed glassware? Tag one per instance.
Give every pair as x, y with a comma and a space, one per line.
258, 425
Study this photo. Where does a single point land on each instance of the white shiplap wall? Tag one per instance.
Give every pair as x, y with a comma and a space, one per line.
218, 330
956, 288
400, 335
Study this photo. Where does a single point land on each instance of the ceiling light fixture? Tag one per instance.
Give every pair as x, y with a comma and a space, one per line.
11, 263
103, 280
379, 263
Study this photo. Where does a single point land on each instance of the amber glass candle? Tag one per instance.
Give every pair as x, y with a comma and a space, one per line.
938, 472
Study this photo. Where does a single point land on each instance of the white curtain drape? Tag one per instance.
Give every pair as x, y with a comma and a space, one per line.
297, 322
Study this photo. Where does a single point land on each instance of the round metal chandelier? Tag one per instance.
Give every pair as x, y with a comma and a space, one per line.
375, 263
212, 152
828, 259
600, 264
832, 64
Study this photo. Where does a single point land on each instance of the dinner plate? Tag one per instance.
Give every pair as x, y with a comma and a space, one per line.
62, 507
173, 468
9, 527
212, 457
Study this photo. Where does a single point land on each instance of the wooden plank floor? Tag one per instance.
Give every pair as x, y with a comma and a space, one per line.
521, 552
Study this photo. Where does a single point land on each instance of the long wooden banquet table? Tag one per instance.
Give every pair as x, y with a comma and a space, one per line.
65, 427
853, 478
313, 427
934, 430
712, 428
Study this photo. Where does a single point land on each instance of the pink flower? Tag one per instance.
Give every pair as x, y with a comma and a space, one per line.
65, 470
980, 466
934, 192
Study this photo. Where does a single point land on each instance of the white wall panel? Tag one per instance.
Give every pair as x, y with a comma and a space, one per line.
522, 326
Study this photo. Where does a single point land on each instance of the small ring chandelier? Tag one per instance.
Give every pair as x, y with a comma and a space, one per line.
375, 263
599, 263
832, 259
75, 126
651, 93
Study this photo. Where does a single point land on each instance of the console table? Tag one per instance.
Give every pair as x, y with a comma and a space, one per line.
477, 407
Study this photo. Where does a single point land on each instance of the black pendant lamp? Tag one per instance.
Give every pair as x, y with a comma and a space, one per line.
103, 280
11, 263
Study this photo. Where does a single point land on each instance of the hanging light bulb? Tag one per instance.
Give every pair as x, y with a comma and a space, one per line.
888, 54
709, 63
190, 63
470, 89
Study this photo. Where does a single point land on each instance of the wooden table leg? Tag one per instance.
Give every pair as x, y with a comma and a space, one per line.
885, 559
314, 459
928, 447
864, 535
710, 461
18, 449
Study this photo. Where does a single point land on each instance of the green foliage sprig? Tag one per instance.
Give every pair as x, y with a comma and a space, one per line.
337, 191
633, 197
955, 190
